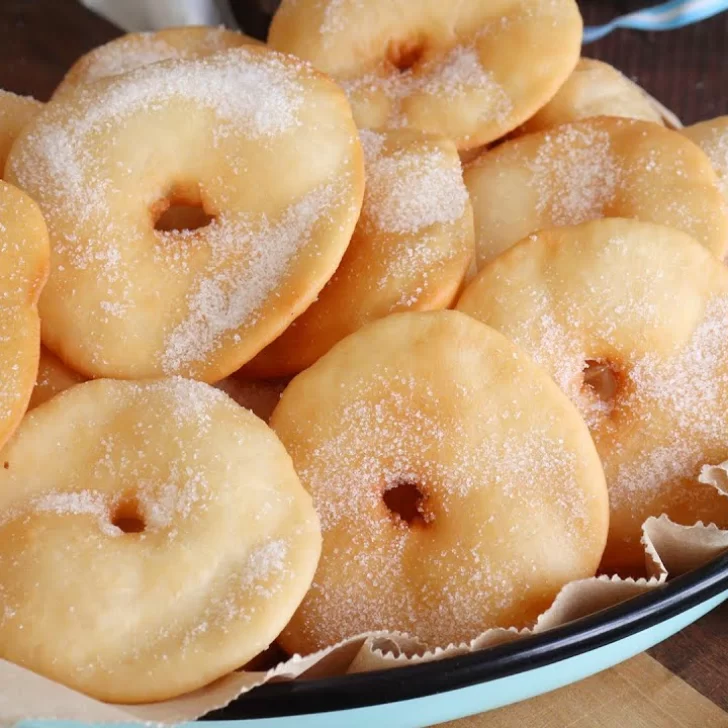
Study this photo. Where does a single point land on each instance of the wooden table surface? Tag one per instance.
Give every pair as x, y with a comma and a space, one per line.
687, 70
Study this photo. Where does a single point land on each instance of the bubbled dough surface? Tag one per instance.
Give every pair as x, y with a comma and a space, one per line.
516, 500
410, 250
15, 112
594, 89
23, 271
127, 301
712, 137
653, 303
602, 167
53, 378
486, 67
229, 550
135, 50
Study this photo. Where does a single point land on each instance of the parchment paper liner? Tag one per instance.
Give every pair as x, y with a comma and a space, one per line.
669, 548
670, 120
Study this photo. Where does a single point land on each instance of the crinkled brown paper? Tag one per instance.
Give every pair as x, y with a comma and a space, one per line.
669, 548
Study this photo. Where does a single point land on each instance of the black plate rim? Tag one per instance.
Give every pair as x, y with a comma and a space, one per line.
596, 630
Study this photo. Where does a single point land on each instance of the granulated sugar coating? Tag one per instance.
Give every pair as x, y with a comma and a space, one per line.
131, 301
651, 305
408, 191
469, 71
128, 53
336, 16
575, 175
712, 137
586, 170
455, 77
130, 525
510, 499
236, 295
135, 50
23, 271
410, 250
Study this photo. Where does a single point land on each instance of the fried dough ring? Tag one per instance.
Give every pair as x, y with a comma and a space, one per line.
507, 501
129, 301
161, 541
471, 71
641, 311
594, 89
600, 167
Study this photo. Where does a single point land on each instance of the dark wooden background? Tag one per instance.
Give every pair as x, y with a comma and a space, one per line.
687, 70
